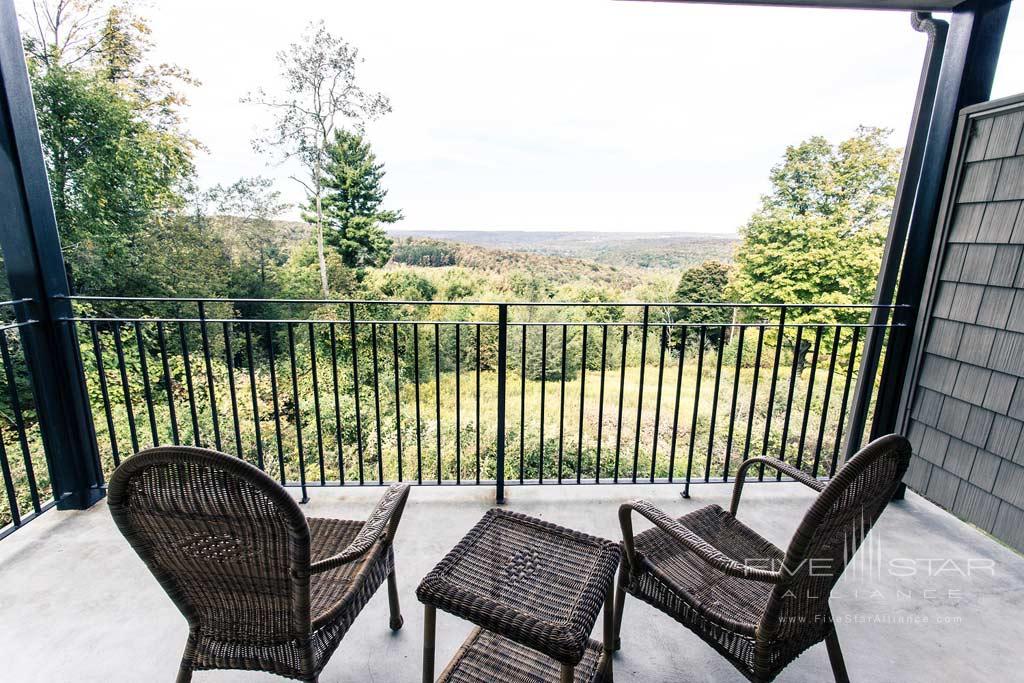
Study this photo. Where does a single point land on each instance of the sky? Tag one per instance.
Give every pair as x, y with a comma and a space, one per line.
568, 114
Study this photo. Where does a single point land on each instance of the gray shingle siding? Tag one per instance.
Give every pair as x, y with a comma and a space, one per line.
966, 425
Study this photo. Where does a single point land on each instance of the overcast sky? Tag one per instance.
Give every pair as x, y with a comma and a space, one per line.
567, 114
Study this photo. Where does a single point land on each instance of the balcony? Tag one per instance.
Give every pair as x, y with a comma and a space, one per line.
925, 594
558, 410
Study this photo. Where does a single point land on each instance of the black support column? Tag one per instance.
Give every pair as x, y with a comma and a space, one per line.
968, 69
35, 268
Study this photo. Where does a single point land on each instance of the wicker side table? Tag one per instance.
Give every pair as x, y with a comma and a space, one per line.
535, 590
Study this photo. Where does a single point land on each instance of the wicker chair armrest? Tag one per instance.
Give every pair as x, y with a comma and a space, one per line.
784, 467
700, 547
382, 524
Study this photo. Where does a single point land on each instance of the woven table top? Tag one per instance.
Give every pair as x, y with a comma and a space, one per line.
535, 583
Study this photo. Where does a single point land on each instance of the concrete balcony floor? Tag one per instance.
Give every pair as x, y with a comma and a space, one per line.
935, 600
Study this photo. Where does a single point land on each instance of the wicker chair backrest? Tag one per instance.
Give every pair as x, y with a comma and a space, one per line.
828, 536
227, 543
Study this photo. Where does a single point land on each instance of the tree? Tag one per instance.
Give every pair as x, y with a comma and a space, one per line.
246, 210
117, 160
819, 234
705, 283
353, 194
320, 88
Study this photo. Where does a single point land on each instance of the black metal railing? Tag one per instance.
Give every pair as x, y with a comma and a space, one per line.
23, 465
368, 392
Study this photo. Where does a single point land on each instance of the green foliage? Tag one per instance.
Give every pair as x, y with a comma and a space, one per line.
403, 284
705, 283
352, 215
423, 252
244, 219
819, 234
299, 277
116, 156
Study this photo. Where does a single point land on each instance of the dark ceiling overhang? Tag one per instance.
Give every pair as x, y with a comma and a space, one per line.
904, 5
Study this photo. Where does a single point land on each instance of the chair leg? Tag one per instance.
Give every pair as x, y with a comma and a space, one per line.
187, 657
396, 612
835, 656
429, 634
620, 603
568, 673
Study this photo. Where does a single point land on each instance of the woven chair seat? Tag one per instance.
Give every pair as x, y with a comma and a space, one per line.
709, 592
758, 607
262, 587
329, 590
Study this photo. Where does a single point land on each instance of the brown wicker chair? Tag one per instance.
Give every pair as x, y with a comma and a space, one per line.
262, 587
757, 606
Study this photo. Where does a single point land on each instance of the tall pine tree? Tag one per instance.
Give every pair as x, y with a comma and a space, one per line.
353, 217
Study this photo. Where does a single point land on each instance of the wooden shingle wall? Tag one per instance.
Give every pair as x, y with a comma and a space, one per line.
966, 420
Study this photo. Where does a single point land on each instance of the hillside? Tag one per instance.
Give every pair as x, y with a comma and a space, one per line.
637, 250
554, 269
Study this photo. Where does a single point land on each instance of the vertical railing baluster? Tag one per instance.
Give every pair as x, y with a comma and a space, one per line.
172, 415
398, 398
376, 402
125, 391
701, 340
272, 362
502, 378
543, 395
675, 409
416, 384
640, 392
810, 393
355, 386
437, 395
771, 390
147, 387
209, 375
753, 392
600, 403
846, 395
458, 406
254, 395
826, 399
12, 495
522, 409
311, 333
298, 412
622, 393
229, 356
338, 436
583, 394
187, 362
97, 350
477, 423
793, 372
732, 406
19, 422
561, 407
662, 343
714, 403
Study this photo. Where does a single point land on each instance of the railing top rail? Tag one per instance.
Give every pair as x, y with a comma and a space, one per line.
14, 302
394, 302
482, 323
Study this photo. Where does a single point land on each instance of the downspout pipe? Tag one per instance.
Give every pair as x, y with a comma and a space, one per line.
903, 207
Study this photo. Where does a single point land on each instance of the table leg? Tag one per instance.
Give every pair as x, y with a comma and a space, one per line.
609, 633
568, 673
429, 629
